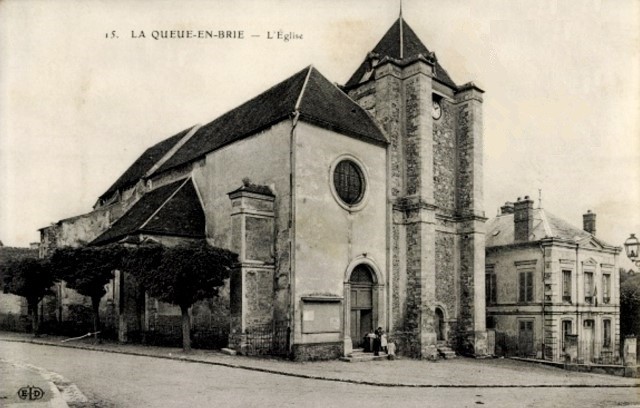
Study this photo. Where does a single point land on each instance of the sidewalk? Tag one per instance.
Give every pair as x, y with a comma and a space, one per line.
459, 372
24, 387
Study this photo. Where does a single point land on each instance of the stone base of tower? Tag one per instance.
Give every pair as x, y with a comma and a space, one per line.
473, 344
480, 344
414, 345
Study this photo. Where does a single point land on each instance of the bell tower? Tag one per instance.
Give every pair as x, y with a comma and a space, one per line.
435, 193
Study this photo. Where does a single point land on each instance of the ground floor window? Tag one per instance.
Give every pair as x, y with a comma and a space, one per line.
525, 338
606, 332
566, 330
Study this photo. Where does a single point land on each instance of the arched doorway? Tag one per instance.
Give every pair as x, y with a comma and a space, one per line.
440, 326
361, 301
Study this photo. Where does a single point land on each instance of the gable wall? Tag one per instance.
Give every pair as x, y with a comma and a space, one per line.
264, 159
328, 237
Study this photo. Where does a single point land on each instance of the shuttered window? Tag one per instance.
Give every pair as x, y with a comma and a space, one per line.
606, 328
606, 288
588, 287
525, 287
566, 286
490, 288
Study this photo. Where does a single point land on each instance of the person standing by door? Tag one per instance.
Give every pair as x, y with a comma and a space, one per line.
377, 342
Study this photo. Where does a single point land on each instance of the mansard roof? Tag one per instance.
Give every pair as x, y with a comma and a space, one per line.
500, 230
307, 92
400, 43
143, 164
173, 210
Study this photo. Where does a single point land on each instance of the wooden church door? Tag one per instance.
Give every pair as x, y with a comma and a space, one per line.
361, 305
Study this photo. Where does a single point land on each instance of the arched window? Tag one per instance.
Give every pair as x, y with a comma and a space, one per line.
361, 274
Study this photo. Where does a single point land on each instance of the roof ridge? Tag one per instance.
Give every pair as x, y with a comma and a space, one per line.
401, 37
353, 102
173, 150
296, 108
545, 223
164, 203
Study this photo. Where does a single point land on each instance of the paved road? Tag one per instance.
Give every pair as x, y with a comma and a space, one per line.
116, 380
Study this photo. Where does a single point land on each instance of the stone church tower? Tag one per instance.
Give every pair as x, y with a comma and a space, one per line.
436, 226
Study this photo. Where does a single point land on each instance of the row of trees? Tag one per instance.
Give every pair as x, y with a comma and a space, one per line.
629, 303
179, 275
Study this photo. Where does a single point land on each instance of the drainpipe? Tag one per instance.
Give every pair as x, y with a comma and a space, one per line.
292, 247
544, 259
577, 315
390, 254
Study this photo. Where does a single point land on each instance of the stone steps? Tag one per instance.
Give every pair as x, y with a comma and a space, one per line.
359, 356
445, 351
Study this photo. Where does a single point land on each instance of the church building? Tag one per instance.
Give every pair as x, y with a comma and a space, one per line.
351, 208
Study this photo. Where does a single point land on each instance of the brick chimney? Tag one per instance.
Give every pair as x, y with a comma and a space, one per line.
507, 208
589, 222
523, 219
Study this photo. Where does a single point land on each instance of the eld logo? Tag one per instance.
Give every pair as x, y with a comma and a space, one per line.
30, 393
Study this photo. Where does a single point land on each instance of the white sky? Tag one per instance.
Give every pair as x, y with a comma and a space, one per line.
561, 111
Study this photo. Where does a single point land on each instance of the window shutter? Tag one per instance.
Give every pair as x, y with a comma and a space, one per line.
529, 286
494, 297
521, 284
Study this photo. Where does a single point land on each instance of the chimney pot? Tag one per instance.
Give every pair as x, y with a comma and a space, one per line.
507, 208
523, 219
589, 222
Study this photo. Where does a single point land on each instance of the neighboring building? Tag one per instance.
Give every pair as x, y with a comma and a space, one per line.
546, 279
351, 208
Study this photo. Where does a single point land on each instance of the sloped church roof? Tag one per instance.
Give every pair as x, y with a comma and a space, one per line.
400, 43
143, 164
315, 99
173, 209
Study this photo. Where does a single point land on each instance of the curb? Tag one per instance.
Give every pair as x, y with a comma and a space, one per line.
64, 392
317, 377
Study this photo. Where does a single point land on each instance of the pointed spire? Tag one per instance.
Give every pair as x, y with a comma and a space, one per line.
400, 42
401, 35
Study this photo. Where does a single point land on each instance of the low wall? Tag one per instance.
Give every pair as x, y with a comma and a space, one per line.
619, 370
317, 351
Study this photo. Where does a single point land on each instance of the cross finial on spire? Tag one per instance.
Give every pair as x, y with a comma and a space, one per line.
400, 9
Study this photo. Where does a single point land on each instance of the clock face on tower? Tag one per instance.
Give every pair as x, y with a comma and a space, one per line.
436, 110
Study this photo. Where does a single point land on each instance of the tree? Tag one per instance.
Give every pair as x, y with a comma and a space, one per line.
181, 275
88, 270
629, 304
30, 278
8, 254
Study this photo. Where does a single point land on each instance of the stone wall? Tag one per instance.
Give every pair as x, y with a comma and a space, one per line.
318, 351
470, 142
444, 159
446, 285
77, 231
258, 296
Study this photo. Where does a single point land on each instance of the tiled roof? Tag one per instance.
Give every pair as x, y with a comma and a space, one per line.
320, 103
173, 210
143, 163
389, 46
500, 230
